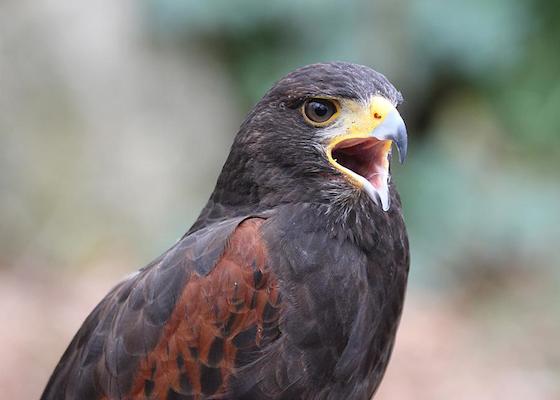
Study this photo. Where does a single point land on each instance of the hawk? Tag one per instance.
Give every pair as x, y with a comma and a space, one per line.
291, 282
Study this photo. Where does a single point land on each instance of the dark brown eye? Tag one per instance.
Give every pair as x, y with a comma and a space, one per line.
319, 111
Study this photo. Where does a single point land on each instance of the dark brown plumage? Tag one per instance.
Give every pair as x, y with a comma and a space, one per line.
290, 284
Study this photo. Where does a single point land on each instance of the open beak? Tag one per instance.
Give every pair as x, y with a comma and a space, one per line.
364, 157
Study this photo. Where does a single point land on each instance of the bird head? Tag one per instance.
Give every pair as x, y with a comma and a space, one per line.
320, 129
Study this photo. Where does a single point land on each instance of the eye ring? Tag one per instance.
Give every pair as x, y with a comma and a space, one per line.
319, 111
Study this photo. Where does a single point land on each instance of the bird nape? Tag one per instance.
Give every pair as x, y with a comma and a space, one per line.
290, 284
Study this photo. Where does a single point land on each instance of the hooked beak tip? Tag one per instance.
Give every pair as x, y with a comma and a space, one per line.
401, 141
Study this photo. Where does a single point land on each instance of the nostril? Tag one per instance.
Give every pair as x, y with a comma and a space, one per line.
377, 116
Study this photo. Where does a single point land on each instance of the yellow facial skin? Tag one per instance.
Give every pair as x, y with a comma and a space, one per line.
357, 120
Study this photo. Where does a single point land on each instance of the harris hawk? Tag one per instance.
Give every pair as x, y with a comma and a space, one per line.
291, 282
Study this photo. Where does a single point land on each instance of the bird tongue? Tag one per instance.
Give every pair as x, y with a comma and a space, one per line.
369, 158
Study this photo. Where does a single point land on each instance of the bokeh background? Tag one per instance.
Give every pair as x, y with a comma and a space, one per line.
115, 118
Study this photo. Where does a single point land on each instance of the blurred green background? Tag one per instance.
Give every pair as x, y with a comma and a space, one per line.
115, 118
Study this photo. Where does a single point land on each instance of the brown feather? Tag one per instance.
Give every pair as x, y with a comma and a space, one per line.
211, 311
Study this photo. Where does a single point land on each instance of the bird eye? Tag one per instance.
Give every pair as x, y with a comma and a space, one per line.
319, 111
